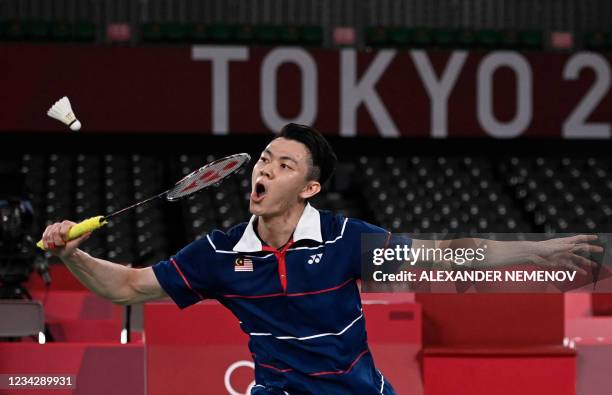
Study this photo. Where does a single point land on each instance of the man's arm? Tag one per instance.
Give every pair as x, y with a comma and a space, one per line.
553, 252
496, 253
117, 283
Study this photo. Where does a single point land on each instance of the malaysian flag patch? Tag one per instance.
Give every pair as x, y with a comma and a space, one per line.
243, 265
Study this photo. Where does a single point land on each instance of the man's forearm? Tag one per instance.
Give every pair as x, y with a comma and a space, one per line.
495, 253
106, 279
503, 253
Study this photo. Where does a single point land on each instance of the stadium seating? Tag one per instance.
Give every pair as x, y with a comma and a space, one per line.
470, 24
416, 194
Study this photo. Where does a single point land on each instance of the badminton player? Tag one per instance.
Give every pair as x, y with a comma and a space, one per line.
289, 275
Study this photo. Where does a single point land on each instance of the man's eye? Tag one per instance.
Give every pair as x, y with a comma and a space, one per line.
284, 166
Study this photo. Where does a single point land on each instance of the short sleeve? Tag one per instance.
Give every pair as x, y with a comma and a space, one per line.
367, 238
186, 276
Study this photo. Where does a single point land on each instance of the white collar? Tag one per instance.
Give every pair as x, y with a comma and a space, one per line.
308, 227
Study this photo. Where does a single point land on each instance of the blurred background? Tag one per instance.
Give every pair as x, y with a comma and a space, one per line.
526, 24
448, 116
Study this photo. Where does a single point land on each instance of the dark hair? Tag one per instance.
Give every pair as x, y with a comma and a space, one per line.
322, 154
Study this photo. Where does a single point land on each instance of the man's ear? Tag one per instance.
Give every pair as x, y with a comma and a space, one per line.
310, 189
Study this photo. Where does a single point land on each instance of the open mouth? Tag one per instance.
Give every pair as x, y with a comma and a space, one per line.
259, 192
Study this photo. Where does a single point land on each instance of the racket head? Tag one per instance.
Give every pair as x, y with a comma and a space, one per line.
207, 175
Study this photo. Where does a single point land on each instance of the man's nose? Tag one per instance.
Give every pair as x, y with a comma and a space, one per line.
266, 171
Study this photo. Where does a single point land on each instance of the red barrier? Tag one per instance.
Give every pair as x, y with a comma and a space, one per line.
602, 304
496, 344
499, 374
100, 369
62, 280
595, 354
80, 316
493, 320
592, 337
395, 336
77, 305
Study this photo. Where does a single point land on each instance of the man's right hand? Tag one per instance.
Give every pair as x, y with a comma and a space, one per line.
54, 239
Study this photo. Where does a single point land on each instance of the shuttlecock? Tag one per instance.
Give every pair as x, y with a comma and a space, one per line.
62, 111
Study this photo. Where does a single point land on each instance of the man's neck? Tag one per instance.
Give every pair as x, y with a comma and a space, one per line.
276, 230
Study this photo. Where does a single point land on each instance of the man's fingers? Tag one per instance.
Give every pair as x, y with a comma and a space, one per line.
64, 229
48, 237
583, 261
583, 247
45, 237
582, 238
56, 236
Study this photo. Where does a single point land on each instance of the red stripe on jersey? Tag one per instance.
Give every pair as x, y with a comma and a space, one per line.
178, 269
388, 238
290, 294
322, 290
351, 366
254, 296
263, 365
282, 266
342, 371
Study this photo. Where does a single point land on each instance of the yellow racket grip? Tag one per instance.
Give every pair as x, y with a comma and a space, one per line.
78, 230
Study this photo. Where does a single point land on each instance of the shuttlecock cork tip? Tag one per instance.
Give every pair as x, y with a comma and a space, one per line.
75, 126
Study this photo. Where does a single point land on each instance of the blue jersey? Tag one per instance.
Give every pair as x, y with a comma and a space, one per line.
300, 305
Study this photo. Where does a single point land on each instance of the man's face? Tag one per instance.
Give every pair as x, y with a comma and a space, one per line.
279, 176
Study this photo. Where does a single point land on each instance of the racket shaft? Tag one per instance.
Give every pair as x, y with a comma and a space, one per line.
78, 230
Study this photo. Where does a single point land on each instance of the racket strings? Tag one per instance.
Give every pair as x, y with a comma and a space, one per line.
208, 175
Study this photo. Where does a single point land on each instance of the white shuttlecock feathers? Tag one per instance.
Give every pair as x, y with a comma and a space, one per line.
62, 111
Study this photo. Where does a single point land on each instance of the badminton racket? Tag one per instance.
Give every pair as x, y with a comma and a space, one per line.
212, 173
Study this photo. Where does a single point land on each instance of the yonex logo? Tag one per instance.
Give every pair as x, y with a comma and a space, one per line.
315, 258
